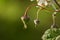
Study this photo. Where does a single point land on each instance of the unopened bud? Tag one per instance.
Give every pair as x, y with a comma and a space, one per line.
25, 18
36, 21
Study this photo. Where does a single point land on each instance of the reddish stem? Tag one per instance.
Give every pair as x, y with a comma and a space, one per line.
27, 9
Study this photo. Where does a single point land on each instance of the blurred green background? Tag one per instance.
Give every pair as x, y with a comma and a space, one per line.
11, 26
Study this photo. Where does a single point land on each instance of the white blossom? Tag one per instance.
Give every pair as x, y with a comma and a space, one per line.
40, 2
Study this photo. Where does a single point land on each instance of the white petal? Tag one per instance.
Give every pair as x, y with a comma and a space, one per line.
40, 2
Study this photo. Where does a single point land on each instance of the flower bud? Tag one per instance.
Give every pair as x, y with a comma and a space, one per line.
36, 21
25, 18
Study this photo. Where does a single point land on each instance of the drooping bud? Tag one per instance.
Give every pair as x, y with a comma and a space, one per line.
25, 19
36, 22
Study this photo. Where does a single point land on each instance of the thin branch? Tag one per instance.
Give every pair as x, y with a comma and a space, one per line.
27, 9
